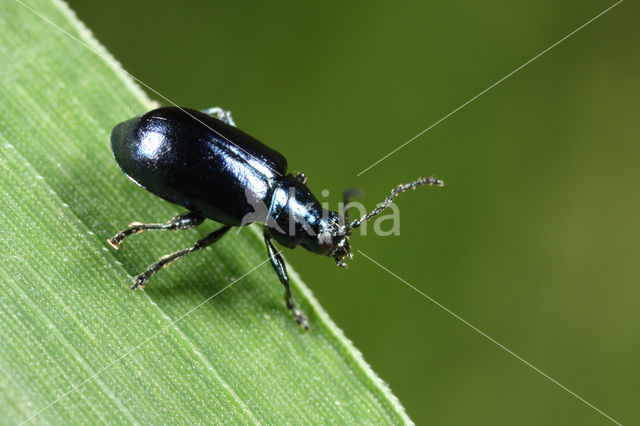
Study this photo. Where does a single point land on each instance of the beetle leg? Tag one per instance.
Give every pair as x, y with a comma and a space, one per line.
141, 280
178, 223
278, 264
301, 177
220, 114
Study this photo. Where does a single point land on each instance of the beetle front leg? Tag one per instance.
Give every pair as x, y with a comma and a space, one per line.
278, 264
220, 114
178, 223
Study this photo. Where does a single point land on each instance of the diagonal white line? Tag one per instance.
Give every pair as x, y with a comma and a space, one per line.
44, 18
64, 395
501, 346
491, 87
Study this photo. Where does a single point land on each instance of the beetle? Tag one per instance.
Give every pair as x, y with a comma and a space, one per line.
202, 162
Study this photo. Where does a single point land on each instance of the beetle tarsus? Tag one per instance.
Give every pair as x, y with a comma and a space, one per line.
140, 280
300, 318
221, 114
298, 315
113, 242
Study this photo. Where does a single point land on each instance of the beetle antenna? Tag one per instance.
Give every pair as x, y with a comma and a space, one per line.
431, 181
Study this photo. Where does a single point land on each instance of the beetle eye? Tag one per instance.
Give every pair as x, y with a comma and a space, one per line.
325, 238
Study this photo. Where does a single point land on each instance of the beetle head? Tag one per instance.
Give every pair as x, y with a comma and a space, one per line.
333, 239
342, 250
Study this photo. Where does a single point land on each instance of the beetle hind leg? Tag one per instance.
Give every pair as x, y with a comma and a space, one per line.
278, 264
178, 223
141, 279
220, 114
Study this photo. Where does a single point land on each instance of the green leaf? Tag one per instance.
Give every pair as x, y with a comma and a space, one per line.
76, 345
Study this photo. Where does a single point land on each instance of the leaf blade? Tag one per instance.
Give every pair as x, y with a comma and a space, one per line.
236, 358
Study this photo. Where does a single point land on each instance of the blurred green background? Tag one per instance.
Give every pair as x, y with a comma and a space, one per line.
534, 239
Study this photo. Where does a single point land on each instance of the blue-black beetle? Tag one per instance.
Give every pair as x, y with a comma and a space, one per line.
215, 171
